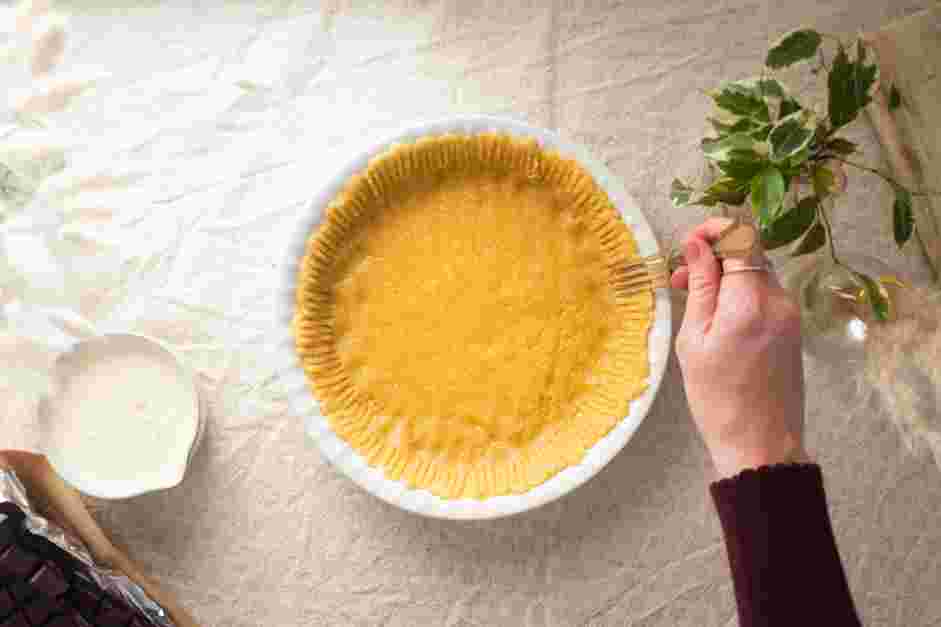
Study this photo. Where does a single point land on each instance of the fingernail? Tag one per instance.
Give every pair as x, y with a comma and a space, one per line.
692, 251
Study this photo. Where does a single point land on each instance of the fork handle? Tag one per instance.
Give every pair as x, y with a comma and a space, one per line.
677, 259
739, 240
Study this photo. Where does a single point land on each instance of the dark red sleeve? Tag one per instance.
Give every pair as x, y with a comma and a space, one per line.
785, 564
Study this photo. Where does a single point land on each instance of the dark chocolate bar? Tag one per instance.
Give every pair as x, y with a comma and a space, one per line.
42, 585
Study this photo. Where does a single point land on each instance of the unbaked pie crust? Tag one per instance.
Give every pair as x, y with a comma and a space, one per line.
456, 317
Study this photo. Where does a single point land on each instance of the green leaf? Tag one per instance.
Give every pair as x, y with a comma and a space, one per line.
791, 135
680, 193
742, 99
849, 84
724, 190
861, 51
770, 88
16, 190
722, 129
840, 146
761, 133
767, 194
842, 106
719, 149
904, 221
823, 130
742, 165
875, 296
823, 181
816, 237
790, 225
895, 98
790, 175
798, 159
798, 45
788, 107
744, 126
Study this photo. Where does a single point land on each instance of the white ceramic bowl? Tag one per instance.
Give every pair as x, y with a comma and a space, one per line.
189, 425
347, 460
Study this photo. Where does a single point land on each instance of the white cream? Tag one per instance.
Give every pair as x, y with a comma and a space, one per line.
123, 419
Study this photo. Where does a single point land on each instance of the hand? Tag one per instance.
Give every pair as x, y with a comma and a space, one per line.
740, 352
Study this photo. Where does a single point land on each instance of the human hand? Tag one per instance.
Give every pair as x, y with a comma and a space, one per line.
739, 348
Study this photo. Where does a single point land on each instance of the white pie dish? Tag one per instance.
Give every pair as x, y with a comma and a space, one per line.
345, 458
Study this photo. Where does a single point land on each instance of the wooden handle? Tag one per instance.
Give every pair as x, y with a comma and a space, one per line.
738, 240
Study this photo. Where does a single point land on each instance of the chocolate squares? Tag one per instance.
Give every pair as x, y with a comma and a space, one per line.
43, 586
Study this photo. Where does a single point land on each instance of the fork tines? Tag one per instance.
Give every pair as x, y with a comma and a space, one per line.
641, 274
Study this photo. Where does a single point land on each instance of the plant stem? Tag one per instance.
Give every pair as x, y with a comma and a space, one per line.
825, 220
5, 175
882, 175
823, 61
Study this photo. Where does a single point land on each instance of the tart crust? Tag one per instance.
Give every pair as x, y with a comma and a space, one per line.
457, 320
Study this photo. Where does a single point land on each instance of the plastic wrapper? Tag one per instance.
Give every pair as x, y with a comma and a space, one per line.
111, 583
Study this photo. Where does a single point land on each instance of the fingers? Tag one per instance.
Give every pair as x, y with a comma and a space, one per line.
711, 228
744, 297
731, 279
708, 231
703, 282
680, 278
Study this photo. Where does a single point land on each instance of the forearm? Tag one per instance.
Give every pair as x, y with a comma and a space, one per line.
785, 564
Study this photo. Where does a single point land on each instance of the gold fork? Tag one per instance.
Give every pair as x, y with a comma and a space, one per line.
738, 240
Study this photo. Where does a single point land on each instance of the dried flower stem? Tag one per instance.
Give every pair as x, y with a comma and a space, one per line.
48, 45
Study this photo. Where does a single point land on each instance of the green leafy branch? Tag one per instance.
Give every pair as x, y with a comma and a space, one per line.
786, 161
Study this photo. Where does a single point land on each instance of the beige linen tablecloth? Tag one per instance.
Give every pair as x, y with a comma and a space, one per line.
226, 115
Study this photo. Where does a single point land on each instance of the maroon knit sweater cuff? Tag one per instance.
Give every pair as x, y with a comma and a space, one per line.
785, 565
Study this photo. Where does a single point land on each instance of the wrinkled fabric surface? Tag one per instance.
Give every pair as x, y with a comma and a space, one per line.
212, 128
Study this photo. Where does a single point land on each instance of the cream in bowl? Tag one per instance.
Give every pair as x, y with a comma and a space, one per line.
124, 418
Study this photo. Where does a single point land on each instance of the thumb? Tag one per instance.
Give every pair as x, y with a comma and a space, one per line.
704, 275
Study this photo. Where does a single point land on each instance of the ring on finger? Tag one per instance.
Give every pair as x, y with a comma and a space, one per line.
751, 264
739, 269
